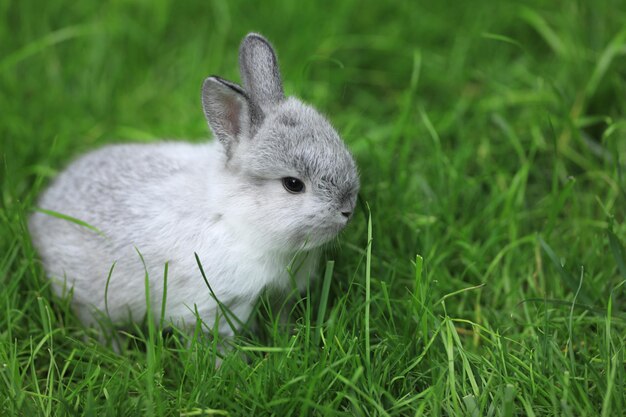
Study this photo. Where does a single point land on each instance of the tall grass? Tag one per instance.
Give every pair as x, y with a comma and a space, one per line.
484, 278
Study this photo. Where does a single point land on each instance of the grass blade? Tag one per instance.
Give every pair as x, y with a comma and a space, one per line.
321, 312
567, 278
226, 312
70, 219
618, 252
368, 296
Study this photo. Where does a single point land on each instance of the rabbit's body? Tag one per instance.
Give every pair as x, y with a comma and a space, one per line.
238, 203
166, 219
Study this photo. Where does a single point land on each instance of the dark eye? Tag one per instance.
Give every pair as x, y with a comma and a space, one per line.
293, 185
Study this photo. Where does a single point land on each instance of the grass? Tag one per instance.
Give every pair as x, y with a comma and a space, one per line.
488, 279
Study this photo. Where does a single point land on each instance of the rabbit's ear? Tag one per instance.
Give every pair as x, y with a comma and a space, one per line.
227, 109
259, 72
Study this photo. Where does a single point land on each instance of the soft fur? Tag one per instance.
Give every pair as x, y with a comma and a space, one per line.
223, 200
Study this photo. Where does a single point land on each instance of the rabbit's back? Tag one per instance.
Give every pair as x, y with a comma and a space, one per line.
116, 203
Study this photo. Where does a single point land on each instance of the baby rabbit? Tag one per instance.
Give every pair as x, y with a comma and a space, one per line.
277, 181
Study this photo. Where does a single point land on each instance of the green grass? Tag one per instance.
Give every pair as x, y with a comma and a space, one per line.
491, 143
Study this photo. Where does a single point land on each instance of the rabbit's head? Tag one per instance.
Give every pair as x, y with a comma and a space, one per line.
293, 182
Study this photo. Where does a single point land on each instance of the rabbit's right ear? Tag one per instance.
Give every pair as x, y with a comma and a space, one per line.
259, 72
227, 109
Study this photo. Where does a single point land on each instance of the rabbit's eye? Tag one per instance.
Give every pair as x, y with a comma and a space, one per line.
293, 185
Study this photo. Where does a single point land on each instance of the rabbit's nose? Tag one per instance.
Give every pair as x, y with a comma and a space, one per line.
346, 209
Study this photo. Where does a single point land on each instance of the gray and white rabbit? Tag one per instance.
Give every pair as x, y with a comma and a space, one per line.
278, 181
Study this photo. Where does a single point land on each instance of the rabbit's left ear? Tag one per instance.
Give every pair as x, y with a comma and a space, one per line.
259, 72
227, 109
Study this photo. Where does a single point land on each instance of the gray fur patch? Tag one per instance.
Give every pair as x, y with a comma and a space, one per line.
288, 120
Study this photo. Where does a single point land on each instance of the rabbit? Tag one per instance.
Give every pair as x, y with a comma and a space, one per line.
276, 185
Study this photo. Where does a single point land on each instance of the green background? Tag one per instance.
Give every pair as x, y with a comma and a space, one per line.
490, 141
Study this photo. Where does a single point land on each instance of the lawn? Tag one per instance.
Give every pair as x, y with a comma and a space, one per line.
483, 274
